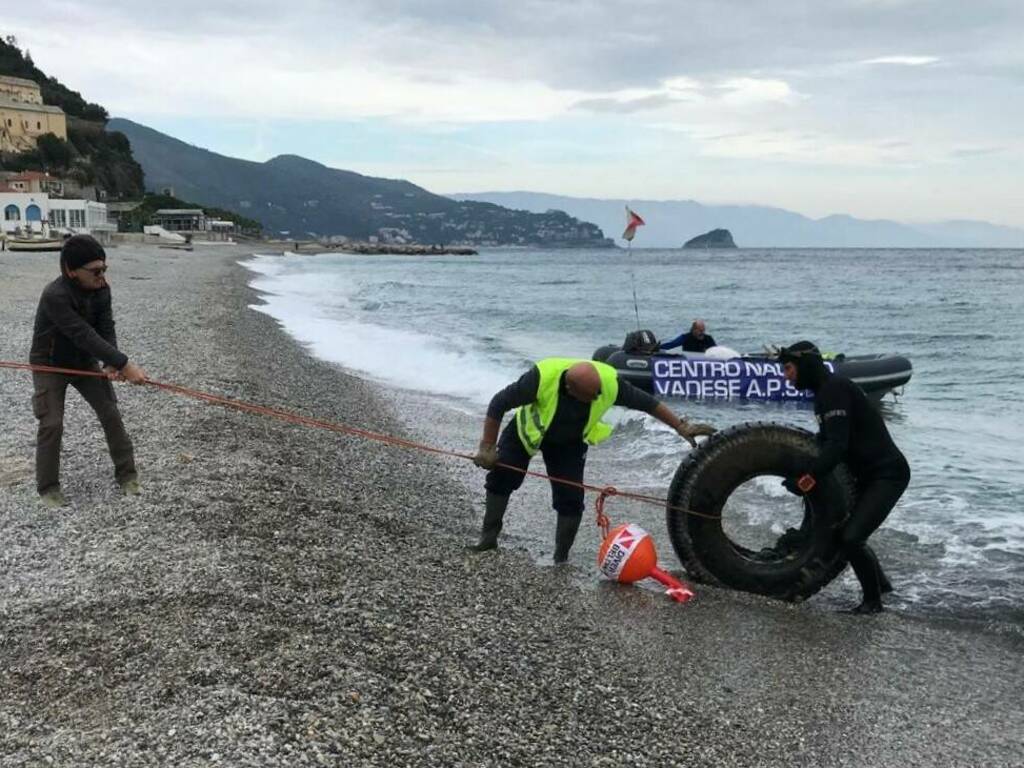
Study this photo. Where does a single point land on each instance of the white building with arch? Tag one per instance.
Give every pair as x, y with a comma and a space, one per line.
23, 211
36, 213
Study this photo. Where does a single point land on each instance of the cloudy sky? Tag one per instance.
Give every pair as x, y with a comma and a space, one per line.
878, 108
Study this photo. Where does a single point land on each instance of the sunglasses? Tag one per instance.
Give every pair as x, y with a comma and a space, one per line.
95, 271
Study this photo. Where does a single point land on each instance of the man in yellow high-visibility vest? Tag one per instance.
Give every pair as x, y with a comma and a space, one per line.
559, 404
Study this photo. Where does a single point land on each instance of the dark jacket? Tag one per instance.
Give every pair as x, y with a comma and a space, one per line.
75, 328
691, 343
852, 431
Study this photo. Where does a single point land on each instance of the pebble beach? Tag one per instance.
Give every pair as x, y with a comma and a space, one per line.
284, 596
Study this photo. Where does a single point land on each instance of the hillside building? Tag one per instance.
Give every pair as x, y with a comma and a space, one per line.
32, 181
181, 219
81, 217
24, 117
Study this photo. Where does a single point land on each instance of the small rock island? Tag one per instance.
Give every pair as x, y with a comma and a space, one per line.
716, 238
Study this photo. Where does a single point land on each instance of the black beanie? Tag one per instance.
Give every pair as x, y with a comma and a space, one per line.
80, 250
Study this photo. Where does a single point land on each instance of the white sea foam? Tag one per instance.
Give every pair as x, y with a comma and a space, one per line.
317, 309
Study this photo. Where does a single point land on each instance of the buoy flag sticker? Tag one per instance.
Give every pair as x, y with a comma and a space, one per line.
620, 549
633, 221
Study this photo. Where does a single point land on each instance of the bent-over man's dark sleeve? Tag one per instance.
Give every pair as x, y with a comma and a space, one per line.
58, 308
520, 392
635, 398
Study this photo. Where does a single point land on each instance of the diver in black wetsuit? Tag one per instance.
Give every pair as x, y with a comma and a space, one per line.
851, 430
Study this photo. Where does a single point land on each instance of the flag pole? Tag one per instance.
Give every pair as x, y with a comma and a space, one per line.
632, 222
632, 279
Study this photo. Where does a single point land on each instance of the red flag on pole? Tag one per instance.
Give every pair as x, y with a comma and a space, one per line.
633, 221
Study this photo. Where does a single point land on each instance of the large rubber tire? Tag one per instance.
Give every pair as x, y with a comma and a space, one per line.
720, 465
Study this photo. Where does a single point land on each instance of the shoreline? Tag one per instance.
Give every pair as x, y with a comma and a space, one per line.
279, 596
373, 249
420, 376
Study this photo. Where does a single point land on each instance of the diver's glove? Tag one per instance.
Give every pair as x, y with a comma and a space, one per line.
690, 431
486, 455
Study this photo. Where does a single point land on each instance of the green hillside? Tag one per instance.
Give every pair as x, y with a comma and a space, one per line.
306, 199
91, 155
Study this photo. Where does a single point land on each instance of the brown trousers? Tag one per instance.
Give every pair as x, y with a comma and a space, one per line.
48, 406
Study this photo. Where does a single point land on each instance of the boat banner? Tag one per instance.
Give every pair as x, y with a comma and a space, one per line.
737, 379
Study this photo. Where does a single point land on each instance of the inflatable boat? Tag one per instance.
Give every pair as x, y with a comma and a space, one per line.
746, 377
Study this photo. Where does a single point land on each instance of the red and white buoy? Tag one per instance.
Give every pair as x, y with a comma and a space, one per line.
627, 555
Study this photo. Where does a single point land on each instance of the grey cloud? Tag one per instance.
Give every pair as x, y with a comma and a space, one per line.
589, 44
969, 152
625, 106
603, 46
618, 44
911, 60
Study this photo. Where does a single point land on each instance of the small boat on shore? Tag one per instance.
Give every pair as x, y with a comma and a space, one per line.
34, 244
755, 376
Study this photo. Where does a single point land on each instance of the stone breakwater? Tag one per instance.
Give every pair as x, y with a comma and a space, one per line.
383, 248
282, 596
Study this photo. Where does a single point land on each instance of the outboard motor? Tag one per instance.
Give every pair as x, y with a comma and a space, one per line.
641, 343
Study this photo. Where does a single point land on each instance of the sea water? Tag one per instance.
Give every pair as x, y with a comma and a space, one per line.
442, 334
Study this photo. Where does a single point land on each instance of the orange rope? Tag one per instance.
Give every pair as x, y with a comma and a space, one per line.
603, 491
602, 519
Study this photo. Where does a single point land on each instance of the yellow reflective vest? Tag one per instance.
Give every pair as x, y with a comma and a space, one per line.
533, 420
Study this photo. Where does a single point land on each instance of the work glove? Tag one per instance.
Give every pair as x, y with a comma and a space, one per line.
690, 431
799, 486
486, 456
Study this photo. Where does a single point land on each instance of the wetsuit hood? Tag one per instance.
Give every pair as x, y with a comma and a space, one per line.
810, 367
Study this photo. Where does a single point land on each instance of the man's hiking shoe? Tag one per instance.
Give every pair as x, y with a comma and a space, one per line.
131, 487
53, 499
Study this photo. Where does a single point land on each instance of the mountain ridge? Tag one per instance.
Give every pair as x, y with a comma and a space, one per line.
670, 223
294, 195
90, 155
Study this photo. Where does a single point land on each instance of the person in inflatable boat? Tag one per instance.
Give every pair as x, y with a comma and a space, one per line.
697, 339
